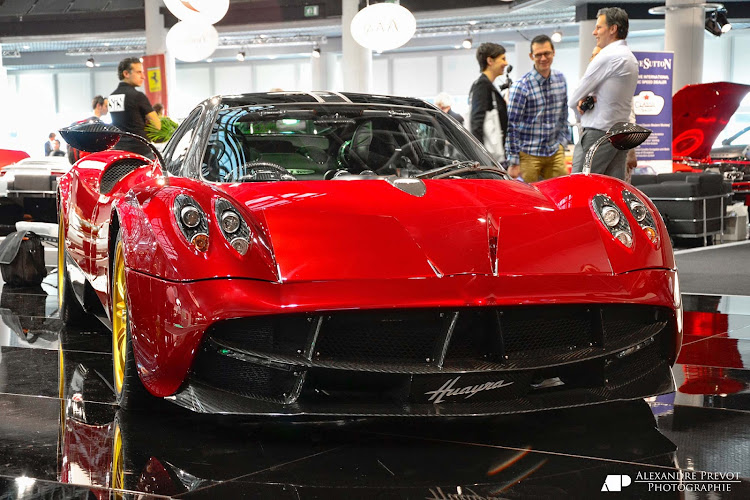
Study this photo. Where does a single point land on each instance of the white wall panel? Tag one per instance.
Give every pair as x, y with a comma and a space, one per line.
234, 79
193, 86
335, 73
381, 77
35, 111
566, 61
717, 56
304, 76
739, 71
655, 43
281, 75
105, 82
74, 95
415, 76
460, 69
739, 68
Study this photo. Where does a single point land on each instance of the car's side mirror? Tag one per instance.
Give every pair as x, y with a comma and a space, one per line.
93, 137
622, 135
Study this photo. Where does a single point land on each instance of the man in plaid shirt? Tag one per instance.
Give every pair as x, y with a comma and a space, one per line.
538, 117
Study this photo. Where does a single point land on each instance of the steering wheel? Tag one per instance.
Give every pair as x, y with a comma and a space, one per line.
283, 174
409, 147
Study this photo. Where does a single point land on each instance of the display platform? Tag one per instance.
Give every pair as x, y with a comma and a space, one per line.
61, 436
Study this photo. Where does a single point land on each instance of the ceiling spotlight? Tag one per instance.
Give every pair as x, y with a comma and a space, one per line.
467, 43
717, 23
557, 36
316, 52
90, 62
240, 55
721, 19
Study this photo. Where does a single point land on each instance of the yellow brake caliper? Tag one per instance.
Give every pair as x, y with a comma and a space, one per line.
119, 318
60, 263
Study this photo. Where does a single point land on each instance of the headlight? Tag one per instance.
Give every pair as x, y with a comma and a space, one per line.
192, 221
241, 245
230, 221
610, 216
624, 238
638, 210
613, 219
642, 215
234, 229
190, 216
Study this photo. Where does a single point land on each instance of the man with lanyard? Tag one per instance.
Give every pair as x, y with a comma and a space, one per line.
610, 78
130, 109
538, 117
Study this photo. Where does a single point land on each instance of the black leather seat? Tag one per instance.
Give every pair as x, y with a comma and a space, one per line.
374, 142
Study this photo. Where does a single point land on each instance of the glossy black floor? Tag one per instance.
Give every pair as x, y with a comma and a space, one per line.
59, 428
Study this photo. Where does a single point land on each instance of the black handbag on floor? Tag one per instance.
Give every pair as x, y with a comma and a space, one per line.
22, 259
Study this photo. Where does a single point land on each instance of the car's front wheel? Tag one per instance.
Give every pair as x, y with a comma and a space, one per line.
129, 390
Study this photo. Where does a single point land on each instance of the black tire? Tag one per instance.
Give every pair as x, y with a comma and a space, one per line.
71, 311
131, 394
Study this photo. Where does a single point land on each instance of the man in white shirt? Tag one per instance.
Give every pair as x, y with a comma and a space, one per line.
610, 78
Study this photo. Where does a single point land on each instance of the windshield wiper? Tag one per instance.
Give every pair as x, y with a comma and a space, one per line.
457, 167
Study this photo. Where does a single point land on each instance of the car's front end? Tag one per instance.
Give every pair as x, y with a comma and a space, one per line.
357, 298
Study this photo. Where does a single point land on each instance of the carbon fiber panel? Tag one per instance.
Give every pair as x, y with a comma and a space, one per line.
304, 390
201, 398
487, 339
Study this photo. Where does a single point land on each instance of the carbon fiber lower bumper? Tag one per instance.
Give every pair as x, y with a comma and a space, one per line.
636, 372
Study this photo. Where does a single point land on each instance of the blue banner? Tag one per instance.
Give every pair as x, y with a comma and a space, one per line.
652, 104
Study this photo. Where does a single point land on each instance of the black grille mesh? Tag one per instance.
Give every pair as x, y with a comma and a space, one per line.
240, 377
531, 333
284, 335
622, 371
520, 337
117, 171
384, 336
628, 324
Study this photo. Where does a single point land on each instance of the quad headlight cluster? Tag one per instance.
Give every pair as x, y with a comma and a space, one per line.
233, 226
617, 224
613, 219
193, 222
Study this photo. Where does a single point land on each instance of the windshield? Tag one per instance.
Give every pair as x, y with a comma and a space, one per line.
322, 141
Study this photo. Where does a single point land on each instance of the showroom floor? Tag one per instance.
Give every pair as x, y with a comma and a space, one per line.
59, 429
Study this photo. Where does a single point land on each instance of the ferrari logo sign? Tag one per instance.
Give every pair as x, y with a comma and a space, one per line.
154, 79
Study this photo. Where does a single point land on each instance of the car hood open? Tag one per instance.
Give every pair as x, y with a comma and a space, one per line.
699, 114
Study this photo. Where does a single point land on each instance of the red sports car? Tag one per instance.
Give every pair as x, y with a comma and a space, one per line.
347, 254
699, 114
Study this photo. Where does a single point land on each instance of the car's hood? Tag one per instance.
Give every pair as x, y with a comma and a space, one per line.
699, 114
370, 229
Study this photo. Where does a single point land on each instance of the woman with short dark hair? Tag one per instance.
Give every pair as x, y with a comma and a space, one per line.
484, 98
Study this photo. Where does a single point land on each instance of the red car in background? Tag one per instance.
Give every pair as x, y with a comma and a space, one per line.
699, 114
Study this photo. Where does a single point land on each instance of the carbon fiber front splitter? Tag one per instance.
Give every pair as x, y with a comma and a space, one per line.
656, 380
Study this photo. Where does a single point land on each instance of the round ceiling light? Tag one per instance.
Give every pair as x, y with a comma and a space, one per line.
210, 11
383, 26
192, 41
